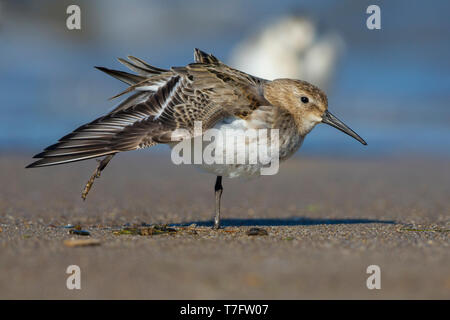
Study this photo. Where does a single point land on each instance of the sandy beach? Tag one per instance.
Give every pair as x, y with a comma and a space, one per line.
327, 220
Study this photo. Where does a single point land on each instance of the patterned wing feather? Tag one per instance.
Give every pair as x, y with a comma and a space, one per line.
163, 101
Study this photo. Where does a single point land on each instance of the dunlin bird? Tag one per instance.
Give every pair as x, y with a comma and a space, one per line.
208, 91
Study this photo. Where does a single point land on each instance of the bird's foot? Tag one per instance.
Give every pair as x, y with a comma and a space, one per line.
216, 226
101, 165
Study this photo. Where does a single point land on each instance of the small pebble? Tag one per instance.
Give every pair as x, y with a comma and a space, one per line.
81, 242
257, 232
79, 232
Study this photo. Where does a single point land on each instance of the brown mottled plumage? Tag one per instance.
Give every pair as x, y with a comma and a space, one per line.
208, 91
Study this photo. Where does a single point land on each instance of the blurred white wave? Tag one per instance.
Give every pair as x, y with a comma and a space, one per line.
291, 47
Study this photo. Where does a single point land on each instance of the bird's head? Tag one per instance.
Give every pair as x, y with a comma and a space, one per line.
307, 104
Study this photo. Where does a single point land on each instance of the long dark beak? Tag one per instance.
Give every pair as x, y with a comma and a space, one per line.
328, 118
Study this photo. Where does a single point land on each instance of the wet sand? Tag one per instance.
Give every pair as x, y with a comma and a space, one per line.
327, 221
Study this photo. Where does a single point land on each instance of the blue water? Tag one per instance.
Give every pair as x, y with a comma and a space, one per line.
392, 86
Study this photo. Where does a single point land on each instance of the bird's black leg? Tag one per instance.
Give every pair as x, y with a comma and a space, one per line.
218, 190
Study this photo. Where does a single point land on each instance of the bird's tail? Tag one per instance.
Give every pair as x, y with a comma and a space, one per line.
142, 68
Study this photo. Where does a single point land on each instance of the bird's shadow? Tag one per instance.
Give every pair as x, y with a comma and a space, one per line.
289, 221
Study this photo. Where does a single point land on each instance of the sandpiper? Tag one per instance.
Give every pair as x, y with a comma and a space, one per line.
208, 91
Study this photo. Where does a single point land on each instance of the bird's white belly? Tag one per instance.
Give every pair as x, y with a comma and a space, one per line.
245, 152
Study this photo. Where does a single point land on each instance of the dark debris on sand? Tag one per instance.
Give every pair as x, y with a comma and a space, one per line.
146, 230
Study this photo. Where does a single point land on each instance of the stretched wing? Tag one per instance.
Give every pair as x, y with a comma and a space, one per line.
163, 101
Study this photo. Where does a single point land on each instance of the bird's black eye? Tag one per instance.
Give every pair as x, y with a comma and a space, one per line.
304, 99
